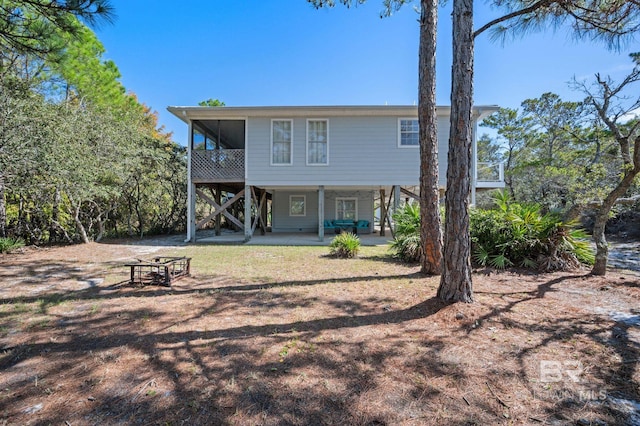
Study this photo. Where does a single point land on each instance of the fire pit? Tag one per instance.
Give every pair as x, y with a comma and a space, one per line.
160, 270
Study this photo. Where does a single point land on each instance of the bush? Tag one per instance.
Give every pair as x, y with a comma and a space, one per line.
406, 243
345, 245
521, 235
511, 234
9, 244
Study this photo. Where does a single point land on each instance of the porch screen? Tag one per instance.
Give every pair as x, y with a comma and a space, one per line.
317, 139
281, 141
346, 208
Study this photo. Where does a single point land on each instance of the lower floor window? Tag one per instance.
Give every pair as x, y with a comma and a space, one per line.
346, 208
297, 205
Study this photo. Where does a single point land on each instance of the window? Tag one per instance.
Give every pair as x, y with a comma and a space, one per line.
297, 205
408, 132
317, 141
346, 208
281, 137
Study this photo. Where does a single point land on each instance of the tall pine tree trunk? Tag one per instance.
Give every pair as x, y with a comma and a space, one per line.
429, 194
455, 282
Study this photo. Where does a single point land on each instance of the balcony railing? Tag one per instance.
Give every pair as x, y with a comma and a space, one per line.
220, 165
490, 172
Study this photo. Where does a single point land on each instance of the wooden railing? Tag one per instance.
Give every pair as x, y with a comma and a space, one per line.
220, 165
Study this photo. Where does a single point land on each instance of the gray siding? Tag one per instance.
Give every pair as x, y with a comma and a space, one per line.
363, 151
283, 222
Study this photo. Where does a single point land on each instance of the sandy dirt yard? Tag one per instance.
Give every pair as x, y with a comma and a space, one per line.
263, 335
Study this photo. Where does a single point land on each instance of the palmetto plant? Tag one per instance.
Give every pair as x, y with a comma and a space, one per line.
406, 244
345, 245
521, 235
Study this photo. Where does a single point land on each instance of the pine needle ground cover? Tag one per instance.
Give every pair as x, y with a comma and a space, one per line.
290, 335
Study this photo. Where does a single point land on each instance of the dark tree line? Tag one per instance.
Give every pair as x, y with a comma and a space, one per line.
80, 158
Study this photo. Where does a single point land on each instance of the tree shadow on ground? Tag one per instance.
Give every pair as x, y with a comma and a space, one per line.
214, 351
566, 382
228, 374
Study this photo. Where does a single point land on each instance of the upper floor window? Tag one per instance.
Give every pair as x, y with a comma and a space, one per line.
317, 141
281, 141
408, 132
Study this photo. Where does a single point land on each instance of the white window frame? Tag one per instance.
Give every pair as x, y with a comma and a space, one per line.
327, 141
290, 163
400, 120
338, 199
304, 205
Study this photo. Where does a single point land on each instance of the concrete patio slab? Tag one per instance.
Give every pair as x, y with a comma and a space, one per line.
286, 239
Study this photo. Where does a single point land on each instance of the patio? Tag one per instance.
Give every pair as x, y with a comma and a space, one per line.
284, 239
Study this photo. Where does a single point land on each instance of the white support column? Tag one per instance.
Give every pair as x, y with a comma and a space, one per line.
191, 192
191, 213
321, 212
247, 213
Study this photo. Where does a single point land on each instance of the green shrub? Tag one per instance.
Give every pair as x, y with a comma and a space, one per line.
407, 219
407, 248
345, 245
9, 244
521, 235
511, 234
406, 243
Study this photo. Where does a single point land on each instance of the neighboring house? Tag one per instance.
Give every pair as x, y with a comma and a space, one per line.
293, 168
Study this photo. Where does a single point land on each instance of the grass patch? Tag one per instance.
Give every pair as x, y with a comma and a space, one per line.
7, 245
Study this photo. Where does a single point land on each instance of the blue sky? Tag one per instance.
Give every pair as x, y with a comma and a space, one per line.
284, 52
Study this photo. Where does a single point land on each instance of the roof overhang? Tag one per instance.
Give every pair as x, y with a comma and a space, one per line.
187, 113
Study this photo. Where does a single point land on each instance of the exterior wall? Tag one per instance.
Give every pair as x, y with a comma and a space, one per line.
363, 151
283, 222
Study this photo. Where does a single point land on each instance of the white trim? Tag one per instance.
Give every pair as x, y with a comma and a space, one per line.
304, 205
399, 141
191, 231
185, 113
344, 199
246, 149
290, 163
307, 142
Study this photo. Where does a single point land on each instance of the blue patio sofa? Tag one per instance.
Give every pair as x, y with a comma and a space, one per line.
342, 225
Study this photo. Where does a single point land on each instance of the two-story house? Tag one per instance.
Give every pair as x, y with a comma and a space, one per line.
295, 168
